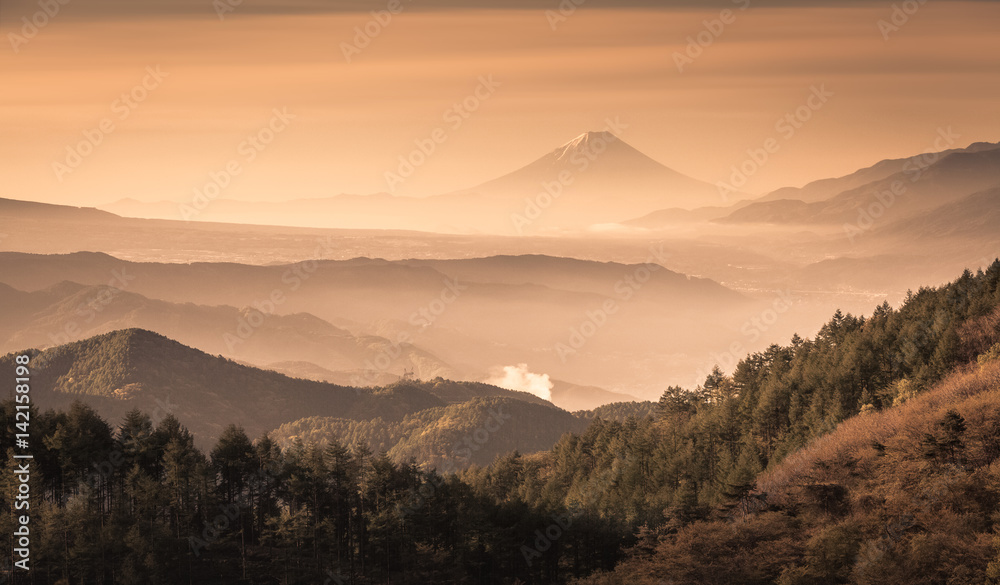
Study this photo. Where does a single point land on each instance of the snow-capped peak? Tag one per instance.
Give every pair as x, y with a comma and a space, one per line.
588, 141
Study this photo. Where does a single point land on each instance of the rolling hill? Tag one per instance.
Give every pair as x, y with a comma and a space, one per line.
133, 368
450, 438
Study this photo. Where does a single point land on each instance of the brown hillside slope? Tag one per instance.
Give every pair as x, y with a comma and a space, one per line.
910, 495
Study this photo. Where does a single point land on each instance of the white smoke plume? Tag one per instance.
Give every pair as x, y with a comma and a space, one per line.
519, 378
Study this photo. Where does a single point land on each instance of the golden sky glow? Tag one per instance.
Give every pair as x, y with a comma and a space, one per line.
353, 120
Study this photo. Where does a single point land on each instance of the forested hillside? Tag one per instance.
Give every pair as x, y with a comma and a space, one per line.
139, 503
620, 411
867, 454
448, 437
138, 369
906, 496
706, 446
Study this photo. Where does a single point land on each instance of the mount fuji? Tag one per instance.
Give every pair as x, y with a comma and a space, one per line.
596, 178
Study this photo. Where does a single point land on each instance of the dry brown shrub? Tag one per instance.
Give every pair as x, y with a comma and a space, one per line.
974, 391
978, 335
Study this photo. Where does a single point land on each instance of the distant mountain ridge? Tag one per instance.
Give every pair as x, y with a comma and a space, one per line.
977, 214
456, 311
594, 178
833, 199
563, 273
69, 311
903, 194
34, 211
826, 188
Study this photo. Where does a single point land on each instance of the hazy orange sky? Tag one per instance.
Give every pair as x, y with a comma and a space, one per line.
352, 120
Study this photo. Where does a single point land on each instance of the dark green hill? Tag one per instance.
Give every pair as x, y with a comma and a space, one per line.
135, 368
449, 437
620, 411
452, 392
